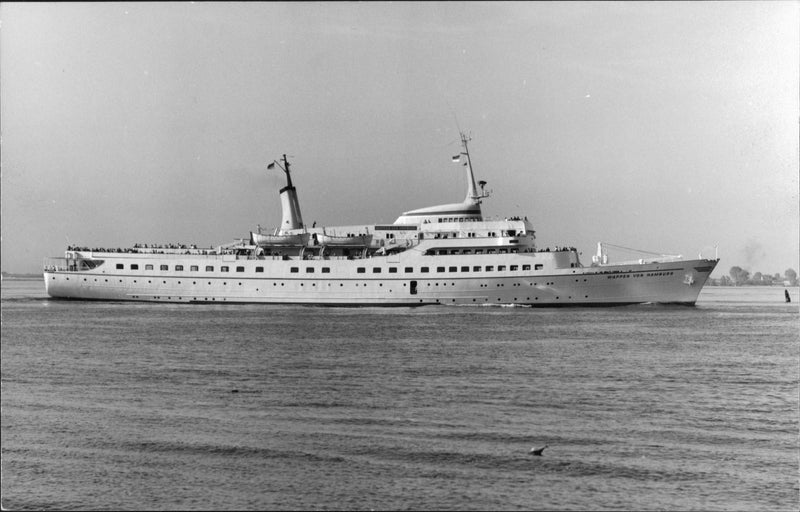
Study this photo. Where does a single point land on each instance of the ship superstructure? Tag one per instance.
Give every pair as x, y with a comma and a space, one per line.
444, 254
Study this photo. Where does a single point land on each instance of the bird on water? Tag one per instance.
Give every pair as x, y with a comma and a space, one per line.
538, 451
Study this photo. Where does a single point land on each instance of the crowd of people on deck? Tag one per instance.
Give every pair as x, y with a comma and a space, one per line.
140, 248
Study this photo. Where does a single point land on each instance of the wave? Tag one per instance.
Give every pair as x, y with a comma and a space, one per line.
237, 451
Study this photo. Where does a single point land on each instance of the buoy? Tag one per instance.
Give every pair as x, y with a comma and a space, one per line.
538, 451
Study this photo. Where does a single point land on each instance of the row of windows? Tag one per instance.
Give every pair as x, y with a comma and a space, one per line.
432, 252
192, 268
457, 219
465, 268
360, 270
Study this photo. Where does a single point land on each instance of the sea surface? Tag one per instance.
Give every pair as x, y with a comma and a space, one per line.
130, 406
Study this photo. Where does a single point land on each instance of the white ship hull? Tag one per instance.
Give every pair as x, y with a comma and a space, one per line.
399, 282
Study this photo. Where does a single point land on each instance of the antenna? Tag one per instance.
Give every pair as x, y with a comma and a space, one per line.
456, 120
453, 113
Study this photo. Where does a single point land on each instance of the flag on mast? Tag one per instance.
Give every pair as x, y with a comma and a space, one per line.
457, 158
271, 166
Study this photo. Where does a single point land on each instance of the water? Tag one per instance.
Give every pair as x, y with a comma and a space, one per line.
140, 406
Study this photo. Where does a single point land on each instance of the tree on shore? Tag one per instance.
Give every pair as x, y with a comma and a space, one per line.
791, 276
739, 275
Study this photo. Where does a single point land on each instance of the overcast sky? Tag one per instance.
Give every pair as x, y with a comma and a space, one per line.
670, 127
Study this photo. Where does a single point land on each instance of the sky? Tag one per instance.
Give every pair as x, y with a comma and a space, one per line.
670, 127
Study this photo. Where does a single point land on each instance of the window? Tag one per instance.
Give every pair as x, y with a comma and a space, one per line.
148, 267
134, 266
294, 270
376, 270
164, 267
465, 269
392, 270
209, 268
513, 267
500, 268
526, 267
309, 270
452, 269
120, 266
539, 266
424, 270
239, 269
194, 268
489, 268
178, 267
439, 269
259, 269
361, 270
408, 270
224, 269
326, 270
476, 268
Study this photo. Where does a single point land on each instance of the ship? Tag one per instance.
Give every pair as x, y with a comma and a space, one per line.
447, 254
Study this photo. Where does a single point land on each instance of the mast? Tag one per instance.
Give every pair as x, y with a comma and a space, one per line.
472, 191
290, 205
286, 170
